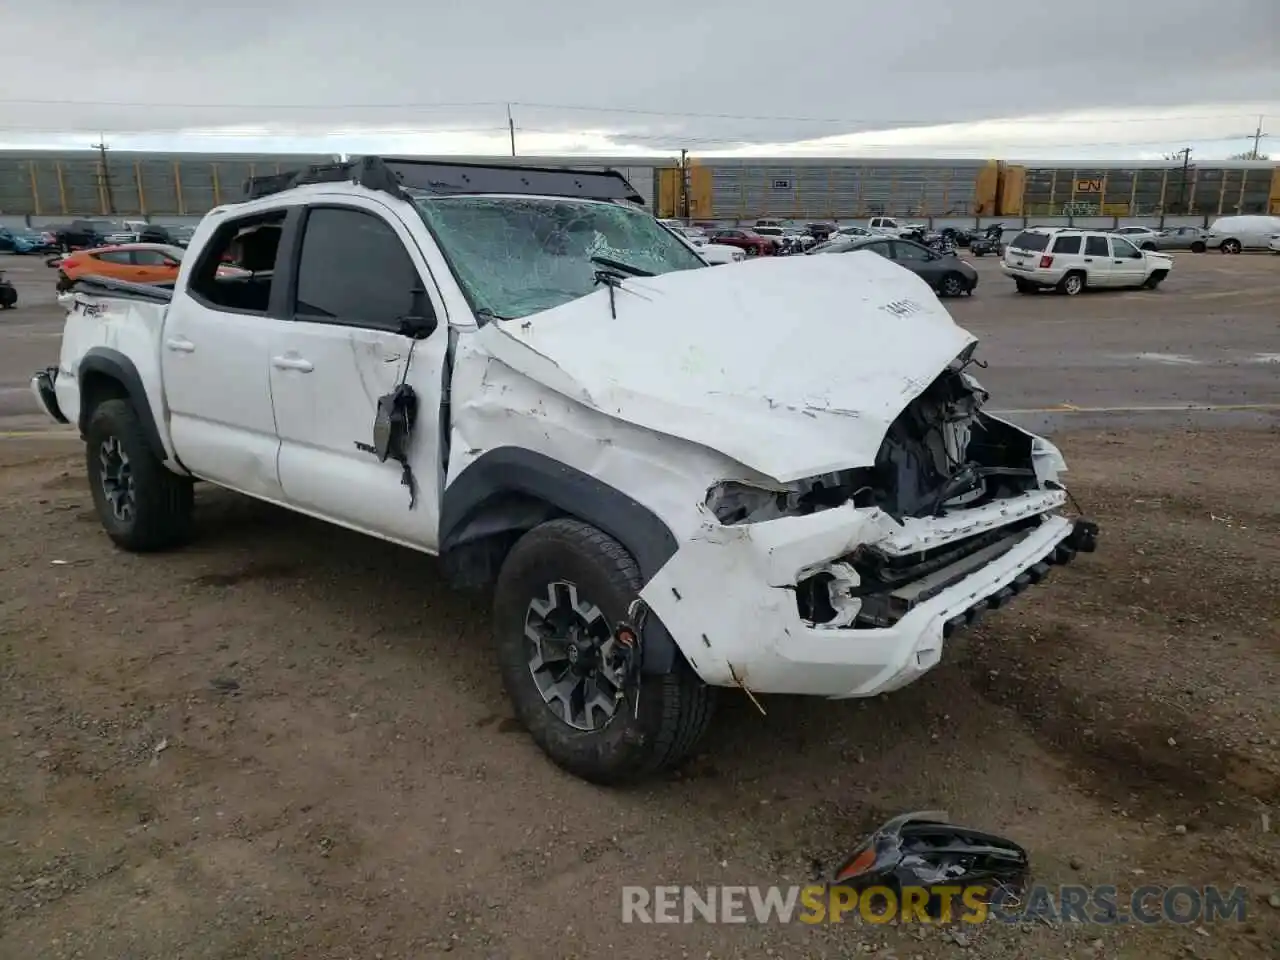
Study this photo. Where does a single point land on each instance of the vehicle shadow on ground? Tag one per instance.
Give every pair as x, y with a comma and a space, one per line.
799, 746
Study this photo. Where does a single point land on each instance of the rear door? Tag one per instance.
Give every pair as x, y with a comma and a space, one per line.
153, 266
214, 355
1097, 261
354, 272
117, 264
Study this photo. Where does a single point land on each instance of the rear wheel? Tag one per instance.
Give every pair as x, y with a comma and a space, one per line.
562, 588
1148, 245
1231, 246
143, 505
8, 298
1023, 286
1072, 284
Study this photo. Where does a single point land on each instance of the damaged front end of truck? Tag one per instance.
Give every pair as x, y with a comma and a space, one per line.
856, 577
856, 504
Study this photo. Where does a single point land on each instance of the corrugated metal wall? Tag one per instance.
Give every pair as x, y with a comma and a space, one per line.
78, 184
49, 187
1146, 191
823, 189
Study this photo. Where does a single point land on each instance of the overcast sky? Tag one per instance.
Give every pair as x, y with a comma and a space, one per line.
1111, 79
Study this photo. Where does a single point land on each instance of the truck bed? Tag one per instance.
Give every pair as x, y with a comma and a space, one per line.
123, 289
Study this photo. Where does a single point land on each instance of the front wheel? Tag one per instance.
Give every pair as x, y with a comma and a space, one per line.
953, 285
8, 298
1198, 247
141, 503
1155, 279
562, 589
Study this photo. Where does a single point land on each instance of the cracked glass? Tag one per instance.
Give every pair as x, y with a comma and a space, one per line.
517, 256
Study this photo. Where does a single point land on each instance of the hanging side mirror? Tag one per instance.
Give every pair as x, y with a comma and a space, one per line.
421, 321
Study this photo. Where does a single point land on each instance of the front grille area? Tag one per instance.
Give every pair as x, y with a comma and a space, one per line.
892, 586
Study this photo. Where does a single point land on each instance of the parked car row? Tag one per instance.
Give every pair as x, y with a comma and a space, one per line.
1227, 234
946, 273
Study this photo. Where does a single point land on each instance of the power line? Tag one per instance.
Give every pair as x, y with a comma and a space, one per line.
585, 108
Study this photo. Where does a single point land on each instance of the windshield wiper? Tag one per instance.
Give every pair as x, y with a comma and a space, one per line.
621, 265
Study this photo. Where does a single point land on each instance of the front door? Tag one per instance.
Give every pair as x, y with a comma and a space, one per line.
1128, 265
213, 357
356, 271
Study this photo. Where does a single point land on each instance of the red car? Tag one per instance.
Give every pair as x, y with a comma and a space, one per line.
749, 241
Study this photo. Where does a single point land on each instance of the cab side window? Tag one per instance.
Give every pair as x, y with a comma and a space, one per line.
1096, 247
354, 269
249, 245
1124, 249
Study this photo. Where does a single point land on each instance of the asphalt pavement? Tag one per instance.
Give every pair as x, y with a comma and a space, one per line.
1205, 347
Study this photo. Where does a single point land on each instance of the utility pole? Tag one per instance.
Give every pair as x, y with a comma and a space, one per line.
511, 128
1257, 138
1182, 184
684, 185
104, 174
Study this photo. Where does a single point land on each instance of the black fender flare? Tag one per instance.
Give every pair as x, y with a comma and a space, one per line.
114, 364
493, 495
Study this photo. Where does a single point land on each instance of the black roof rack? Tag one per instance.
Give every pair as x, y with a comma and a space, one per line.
396, 175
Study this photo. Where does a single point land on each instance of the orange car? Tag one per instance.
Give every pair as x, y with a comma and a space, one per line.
135, 262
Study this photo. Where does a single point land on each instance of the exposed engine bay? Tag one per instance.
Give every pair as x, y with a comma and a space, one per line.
941, 453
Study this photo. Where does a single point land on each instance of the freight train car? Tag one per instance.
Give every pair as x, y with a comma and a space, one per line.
1213, 189
43, 185
820, 189
79, 183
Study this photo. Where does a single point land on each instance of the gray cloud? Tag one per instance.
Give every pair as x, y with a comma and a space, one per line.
870, 66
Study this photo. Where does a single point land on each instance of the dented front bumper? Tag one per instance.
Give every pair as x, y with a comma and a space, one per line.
729, 595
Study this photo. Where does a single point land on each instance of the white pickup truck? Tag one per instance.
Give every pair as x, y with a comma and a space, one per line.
674, 478
892, 227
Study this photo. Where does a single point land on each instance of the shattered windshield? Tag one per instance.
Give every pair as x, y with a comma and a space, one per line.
516, 256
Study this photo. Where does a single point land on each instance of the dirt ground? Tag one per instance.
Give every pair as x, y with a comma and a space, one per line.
289, 741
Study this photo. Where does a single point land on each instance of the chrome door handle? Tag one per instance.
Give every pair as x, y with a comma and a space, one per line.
292, 363
180, 344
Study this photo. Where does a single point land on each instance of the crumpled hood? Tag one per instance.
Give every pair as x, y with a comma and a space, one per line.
792, 366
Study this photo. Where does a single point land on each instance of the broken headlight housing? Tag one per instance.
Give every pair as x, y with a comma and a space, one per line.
734, 502
1047, 461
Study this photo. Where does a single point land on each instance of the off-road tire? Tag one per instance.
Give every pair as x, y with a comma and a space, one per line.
1155, 279
1022, 286
1070, 289
163, 502
1231, 246
675, 708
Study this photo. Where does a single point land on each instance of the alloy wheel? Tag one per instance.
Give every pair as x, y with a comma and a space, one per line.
569, 644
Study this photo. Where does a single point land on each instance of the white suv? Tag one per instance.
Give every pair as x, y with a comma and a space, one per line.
1070, 260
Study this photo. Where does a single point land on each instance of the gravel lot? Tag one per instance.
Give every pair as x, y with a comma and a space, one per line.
288, 740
